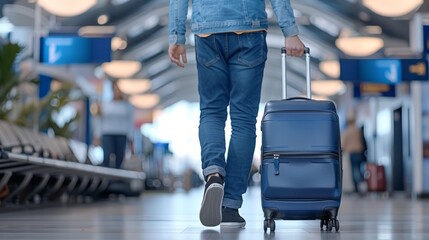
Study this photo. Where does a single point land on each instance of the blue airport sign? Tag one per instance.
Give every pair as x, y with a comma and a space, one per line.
384, 71
66, 49
387, 71
426, 39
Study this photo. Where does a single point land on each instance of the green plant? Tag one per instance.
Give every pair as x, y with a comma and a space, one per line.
52, 105
46, 110
8, 78
26, 113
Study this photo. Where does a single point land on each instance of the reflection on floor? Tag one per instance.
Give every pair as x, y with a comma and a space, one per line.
171, 216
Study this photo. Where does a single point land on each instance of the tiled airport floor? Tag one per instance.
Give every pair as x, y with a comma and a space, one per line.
171, 216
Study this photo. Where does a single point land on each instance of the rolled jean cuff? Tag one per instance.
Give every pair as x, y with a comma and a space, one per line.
231, 203
214, 169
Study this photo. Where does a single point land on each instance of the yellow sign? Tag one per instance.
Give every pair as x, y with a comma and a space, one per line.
374, 88
418, 69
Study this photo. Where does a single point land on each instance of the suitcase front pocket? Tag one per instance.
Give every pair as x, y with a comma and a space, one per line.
301, 178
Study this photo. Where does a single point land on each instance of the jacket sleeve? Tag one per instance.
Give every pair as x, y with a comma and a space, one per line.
177, 21
285, 17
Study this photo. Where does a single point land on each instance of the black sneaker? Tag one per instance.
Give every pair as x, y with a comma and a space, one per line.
231, 218
211, 207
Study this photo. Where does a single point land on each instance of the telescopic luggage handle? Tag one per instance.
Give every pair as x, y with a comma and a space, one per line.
307, 75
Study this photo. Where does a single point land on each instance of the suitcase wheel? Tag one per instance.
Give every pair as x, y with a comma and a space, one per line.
330, 224
269, 223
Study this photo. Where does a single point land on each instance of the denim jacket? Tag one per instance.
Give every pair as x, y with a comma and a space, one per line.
216, 16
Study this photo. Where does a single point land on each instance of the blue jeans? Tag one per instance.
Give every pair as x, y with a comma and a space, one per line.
114, 145
356, 161
230, 71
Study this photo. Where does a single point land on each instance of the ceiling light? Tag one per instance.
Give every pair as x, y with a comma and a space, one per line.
121, 68
144, 101
327, 87
102, 19
66, 8
133, 86
359, 46
96, 30
118, 44
392, 8
373, 29
330, 68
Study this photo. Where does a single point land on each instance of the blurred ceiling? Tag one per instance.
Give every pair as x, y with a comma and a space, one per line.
144, 24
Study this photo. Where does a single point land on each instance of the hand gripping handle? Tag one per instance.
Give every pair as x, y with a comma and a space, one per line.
284, 72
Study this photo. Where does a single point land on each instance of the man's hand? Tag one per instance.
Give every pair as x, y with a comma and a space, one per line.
294, 46
177, 54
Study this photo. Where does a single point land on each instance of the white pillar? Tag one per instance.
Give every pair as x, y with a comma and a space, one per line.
416, 137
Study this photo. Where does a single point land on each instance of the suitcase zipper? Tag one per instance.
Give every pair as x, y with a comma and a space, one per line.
276, 164
276, 157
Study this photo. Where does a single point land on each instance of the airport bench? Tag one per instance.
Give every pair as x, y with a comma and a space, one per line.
35, 167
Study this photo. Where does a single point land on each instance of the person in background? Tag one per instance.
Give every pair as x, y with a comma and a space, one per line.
114, 126
353, 144
231, 51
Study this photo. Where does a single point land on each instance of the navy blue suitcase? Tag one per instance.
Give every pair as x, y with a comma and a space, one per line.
301, 170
